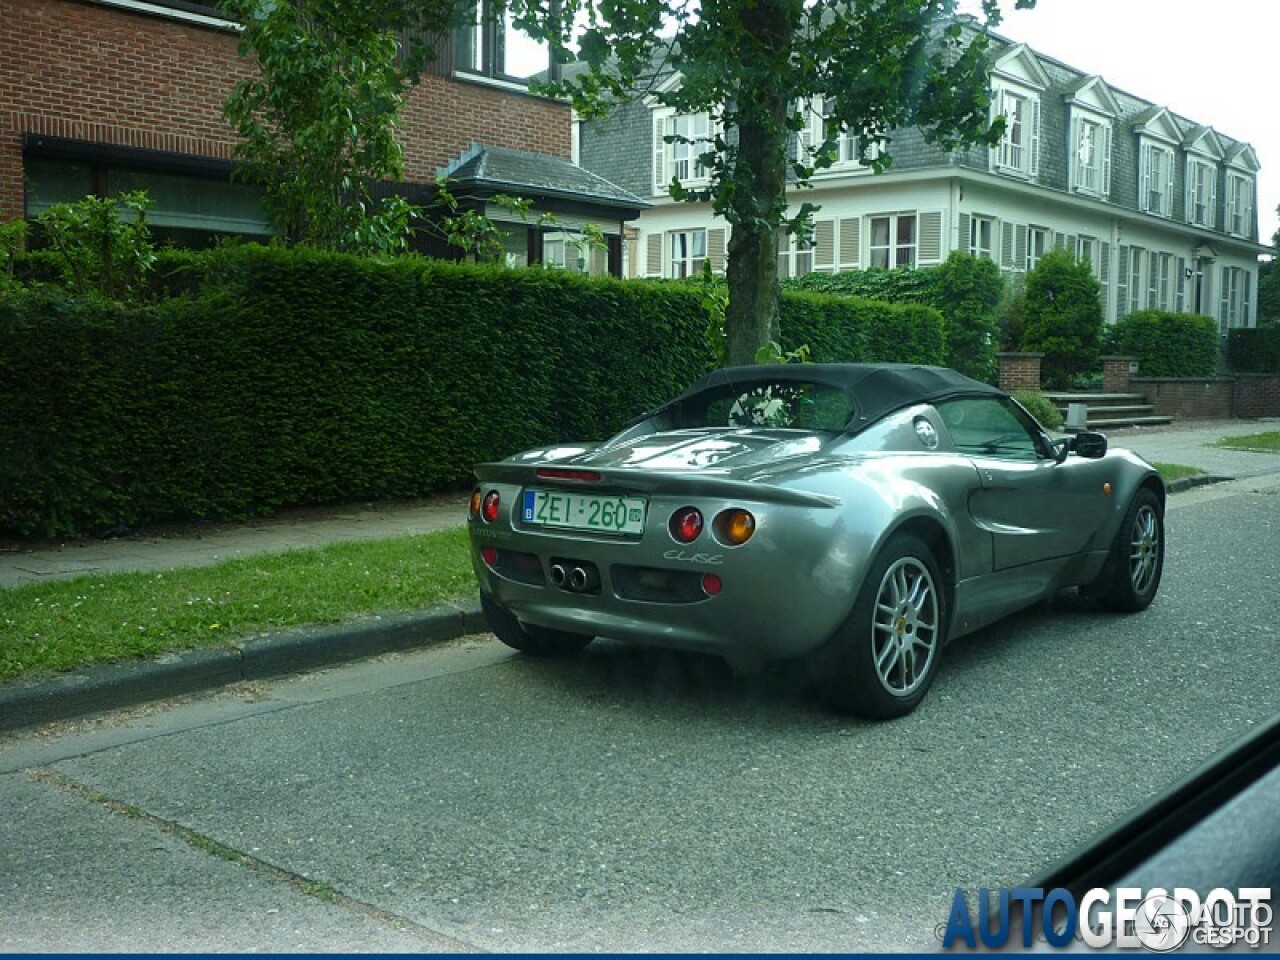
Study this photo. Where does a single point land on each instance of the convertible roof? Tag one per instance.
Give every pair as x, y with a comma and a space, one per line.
880, 388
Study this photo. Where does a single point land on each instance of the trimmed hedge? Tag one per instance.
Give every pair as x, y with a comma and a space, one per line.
1254, 349
1168, 344
296, 377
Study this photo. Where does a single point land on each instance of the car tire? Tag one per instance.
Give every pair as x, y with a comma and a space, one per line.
536, 641
872, 666
1131, 577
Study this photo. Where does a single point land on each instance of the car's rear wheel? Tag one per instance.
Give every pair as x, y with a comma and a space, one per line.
883, 658
537, 641
1132, 575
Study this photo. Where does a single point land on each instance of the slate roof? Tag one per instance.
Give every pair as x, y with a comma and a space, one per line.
516, 171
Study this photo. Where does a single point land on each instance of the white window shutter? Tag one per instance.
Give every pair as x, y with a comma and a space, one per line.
929, 248
824, 246
1019, 247
1104, 276
965, 239
1122, 281
1190, 192
1104, 138
1006, 245
1153, 281
1034, 168
653, 255
1077, 162
715, 249
1147, 160
660, 125
1180, 285
850, 243
1213, 200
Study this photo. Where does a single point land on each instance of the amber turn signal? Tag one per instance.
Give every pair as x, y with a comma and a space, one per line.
735, 527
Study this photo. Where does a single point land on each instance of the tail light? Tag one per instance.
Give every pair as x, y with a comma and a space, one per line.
685, 524
489, 506
711, 584
734, 527
489, 555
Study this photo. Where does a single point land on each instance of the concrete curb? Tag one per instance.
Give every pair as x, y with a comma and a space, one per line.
28, 703
1199, 480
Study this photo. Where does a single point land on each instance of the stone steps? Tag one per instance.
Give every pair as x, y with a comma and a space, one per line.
1109, 410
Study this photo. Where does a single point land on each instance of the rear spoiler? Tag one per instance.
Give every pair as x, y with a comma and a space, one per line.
646, 481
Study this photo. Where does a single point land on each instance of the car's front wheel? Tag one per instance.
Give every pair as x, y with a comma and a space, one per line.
1132, 575
538, 641
883, 658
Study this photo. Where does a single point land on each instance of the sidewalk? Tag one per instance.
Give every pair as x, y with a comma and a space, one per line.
26, 703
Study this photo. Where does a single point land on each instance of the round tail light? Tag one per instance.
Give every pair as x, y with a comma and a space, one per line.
489, 506
489, 555
685, 524
473, 509
711, 584
735, 527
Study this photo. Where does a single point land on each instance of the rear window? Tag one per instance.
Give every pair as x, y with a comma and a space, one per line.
780, 405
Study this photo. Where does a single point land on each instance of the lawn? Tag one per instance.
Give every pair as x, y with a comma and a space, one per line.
49, 627
1268, 442
1176, 471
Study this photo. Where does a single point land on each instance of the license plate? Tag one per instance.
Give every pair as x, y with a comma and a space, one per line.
584, 511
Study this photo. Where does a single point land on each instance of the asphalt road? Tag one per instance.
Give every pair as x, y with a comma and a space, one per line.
462, 798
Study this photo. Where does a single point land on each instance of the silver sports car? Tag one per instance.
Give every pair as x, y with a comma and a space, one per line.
857, 515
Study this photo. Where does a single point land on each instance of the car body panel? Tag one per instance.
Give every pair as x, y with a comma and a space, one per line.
825, 502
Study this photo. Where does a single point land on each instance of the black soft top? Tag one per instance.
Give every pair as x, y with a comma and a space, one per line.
878, 388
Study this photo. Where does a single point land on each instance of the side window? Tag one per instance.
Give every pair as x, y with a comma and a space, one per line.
988, 427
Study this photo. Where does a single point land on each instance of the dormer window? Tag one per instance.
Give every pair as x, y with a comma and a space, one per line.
1202, 192
1017, 81
1092, 109
679, 143
1157, 179
1239, 204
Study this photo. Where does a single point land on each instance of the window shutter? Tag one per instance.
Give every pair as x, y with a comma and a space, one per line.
1153, 281
1034, 168
1020, 247
1006, 246
784, 253
1190, 193
1071, 244
1059, 240
1077, 162
929, 249
1145, 200
653, 259
1104, 275
1122, 281
824, 246
1245, 313
966, 233
715, 249
1224, 309
850, 242
660, 126
1180, 281
1104, 138
1213, 201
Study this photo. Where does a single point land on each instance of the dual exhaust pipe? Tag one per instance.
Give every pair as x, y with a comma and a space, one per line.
575, 578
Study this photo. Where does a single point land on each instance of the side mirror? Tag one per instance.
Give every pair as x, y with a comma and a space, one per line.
1091, 446
1059, 449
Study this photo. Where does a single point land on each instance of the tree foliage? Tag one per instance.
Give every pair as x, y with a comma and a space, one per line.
318, 120
1063, 316
102, 244
882, 65
1269, 283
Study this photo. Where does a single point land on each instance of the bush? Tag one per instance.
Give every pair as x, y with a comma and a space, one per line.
1040, 407
291, 377
1063, 317
1254, 349
1168, 344
965, 290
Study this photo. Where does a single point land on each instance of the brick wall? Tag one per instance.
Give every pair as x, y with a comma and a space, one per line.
77, 69
1019, 371
1257, 395
1190, 399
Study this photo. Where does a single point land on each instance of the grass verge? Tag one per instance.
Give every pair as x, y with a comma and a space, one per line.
1176, 471
1268, 442
49, 627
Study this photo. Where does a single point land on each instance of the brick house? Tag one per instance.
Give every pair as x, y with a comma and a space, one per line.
1162, 206
102, 96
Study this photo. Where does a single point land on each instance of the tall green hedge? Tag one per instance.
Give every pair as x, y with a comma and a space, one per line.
1254, 349
1168, 344
292, 377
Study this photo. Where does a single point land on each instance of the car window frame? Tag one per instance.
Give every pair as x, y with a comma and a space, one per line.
1039, 441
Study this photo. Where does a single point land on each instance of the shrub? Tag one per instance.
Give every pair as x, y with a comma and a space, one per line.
1168, 344
1254, 349
103, 242
1063, 316
1040, 407
288, 377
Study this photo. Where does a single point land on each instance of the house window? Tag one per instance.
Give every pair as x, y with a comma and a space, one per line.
687, 250
893, 241
1239, 204
795, 258
569, 251
982, 231
1092, 167
1134, 285
1202, 192
1235, 298
1037, 246
1087, 250
1019, 148
679, 143
490, 44
1160, 281
1157, 179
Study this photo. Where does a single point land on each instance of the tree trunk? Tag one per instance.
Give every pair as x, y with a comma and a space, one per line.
760, 178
